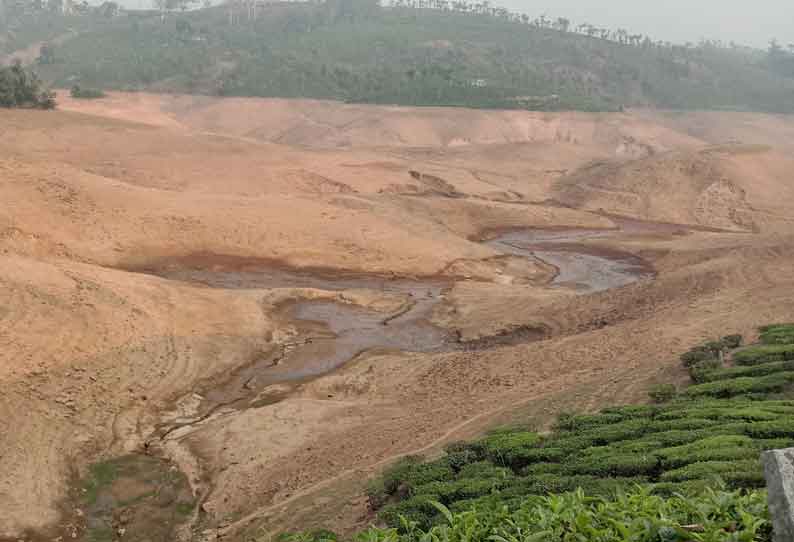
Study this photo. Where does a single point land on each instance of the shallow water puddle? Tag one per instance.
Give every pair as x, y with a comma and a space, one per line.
586, 269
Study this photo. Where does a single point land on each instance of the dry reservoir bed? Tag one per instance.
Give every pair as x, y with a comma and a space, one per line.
329, 333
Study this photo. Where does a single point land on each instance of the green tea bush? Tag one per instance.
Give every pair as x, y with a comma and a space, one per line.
583, 422
777, 334
779, 407
774, 443
83, 93
715, 347
484, 469
783, 427
749, 413
634, 446
609, 465
732, 341
475, 448
709, 408
552, 455
410, 473
662, 393
463, 489
680, 424
700, 371
569, 422
745, 479
720, 448
687, 407
417, 509
460, 454
756, 355
661, 439
704, 469
741, 386
637, 515
622, 430
543, 484
570, 443
459, 460
436, 471
627, 412
544, 468
687, 487
510, 448
748, 371
696, 355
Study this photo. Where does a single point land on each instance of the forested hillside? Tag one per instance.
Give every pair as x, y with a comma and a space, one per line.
420, 54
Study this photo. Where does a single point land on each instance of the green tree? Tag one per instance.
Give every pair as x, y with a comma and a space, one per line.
21, 88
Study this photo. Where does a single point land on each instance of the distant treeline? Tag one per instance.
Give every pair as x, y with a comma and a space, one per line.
418, 52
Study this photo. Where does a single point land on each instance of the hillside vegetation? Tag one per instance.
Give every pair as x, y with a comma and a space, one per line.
434, 54
648, 470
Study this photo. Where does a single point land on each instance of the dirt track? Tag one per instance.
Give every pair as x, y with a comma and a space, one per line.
95, 357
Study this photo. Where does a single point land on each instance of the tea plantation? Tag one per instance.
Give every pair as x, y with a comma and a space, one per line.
684, 469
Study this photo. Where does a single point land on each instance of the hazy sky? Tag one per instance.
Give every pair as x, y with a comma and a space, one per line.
747, 22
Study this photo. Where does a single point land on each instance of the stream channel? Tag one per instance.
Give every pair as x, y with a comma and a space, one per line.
330, 334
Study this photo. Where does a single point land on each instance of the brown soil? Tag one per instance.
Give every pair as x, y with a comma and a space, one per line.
245, 208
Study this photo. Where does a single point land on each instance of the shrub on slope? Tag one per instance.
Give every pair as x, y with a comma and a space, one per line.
21, 88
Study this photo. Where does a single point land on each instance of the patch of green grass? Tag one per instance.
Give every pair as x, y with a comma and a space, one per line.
185, 508
99, 475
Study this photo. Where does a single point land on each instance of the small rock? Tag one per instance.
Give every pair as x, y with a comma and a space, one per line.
779, 473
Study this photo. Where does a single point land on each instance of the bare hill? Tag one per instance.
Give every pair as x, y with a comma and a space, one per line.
713, 187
